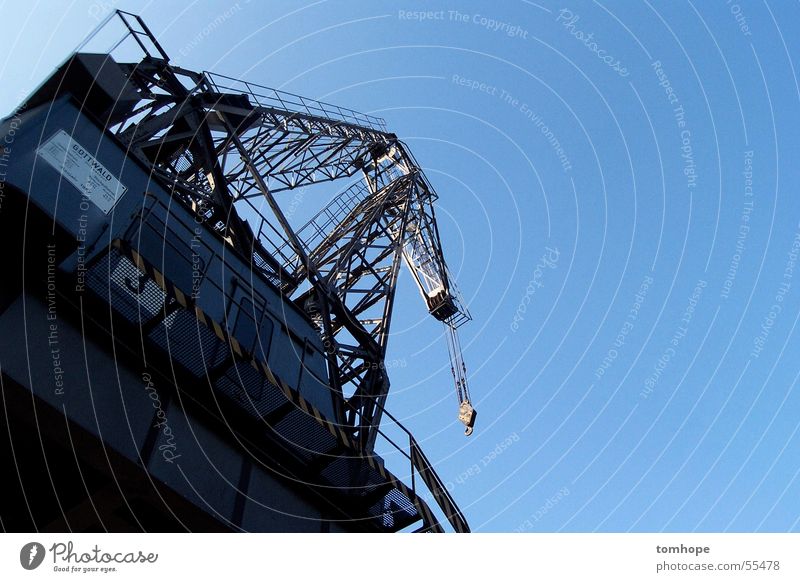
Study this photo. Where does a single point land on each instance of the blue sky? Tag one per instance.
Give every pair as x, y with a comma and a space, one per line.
618, 199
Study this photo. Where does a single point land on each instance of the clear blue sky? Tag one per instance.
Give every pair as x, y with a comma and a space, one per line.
619, 201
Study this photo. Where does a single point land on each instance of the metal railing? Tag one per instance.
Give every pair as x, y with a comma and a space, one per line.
421, 467
268, 97
136, 30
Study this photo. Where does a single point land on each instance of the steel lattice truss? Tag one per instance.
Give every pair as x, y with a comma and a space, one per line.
225, 148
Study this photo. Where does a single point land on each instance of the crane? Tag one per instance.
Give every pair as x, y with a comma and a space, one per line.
423, 255
394, 178
231, 150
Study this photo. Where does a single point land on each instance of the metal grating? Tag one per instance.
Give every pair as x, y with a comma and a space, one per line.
192, 345
117, 280
247, 387
308, 436
135, 295
395, 509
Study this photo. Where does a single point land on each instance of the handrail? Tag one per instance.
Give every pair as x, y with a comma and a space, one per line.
269, 97
421, 464
132, 32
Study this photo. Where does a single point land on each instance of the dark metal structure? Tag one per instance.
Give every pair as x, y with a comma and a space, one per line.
158, 188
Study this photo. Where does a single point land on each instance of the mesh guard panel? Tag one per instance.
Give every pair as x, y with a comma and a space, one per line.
134, 294
115, 279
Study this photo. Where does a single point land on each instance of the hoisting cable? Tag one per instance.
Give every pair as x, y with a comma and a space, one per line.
466, 413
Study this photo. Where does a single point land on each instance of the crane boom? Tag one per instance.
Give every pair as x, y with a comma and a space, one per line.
229, 149
337, 238
422, 252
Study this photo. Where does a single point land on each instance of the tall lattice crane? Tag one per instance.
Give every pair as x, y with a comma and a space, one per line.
226, 148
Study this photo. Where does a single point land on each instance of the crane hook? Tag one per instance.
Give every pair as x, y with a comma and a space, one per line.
467, 414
